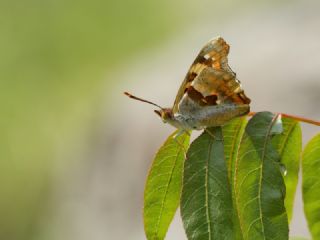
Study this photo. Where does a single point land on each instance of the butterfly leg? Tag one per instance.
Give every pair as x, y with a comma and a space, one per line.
180, 132
175, 137
212, 135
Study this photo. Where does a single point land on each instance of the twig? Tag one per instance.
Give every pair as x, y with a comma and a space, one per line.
301, 119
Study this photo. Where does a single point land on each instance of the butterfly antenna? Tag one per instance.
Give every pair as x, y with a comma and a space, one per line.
142, 100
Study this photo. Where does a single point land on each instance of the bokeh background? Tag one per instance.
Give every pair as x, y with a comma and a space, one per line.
74, 152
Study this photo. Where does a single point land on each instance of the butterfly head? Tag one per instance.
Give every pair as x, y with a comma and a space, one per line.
165, 114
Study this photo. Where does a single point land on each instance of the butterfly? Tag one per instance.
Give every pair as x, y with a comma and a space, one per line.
210, 94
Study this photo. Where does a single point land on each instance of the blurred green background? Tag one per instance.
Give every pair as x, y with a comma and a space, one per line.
55, 56
63, 66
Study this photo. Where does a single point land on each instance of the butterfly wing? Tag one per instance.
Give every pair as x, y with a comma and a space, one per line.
209, 81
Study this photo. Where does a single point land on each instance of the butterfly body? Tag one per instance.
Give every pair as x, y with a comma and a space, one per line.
202, 118
210, 94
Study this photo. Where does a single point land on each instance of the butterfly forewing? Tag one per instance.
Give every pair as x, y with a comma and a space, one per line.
209, 81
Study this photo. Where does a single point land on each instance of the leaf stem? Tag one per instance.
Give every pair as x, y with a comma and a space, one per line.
301, 119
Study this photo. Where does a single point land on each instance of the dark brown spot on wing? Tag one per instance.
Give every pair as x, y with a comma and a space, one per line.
195, 95
199, 62
199, 59
211, 100
191, 76
200, 99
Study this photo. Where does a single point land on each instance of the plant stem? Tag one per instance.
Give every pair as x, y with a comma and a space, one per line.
301, 119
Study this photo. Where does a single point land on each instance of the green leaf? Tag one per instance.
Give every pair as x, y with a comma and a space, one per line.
289, 147
232, 134
259, 185
206, 205
163, 186
311, 185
